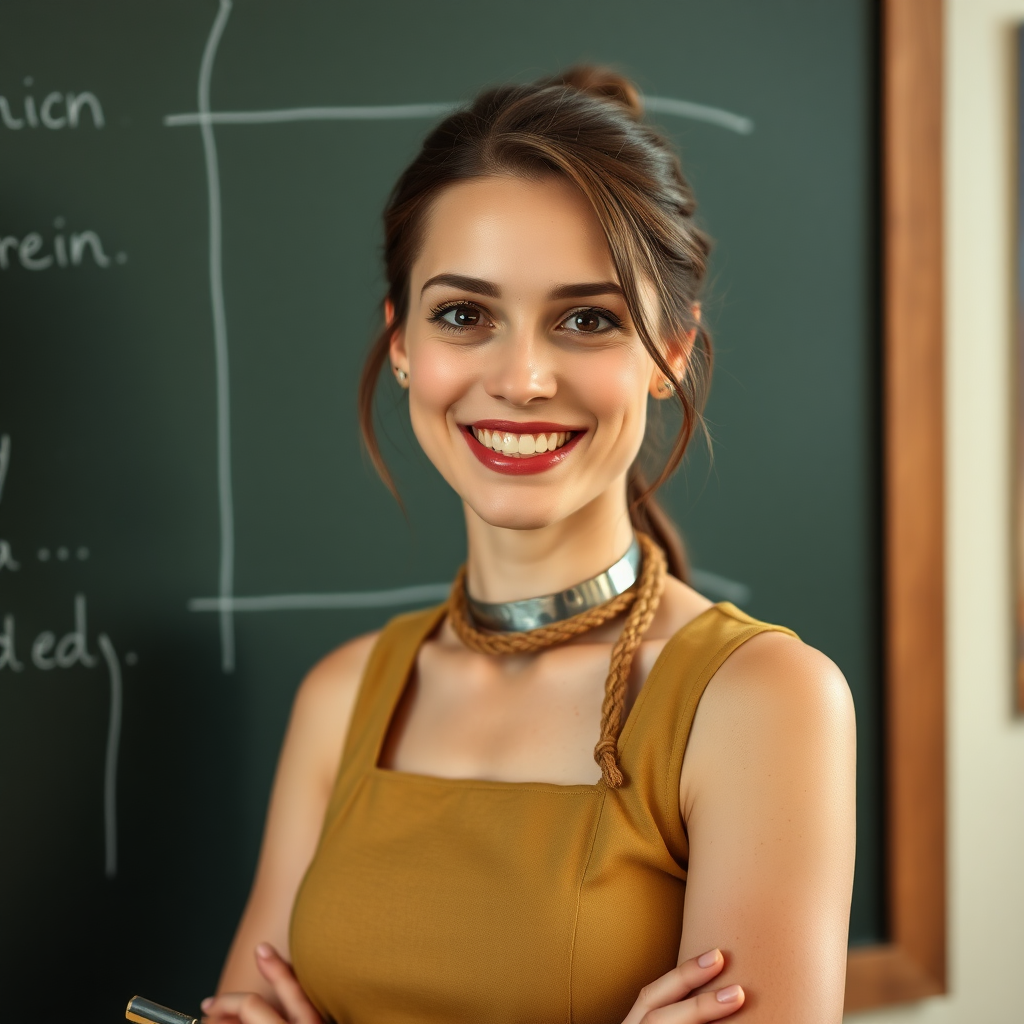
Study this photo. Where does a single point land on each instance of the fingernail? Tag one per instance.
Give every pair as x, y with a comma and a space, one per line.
264, 951
206, 1003
729, 995
708, 959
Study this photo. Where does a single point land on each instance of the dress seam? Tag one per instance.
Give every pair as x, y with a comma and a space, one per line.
579, 897
498, 785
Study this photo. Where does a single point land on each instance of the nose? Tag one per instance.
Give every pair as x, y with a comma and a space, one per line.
521, 369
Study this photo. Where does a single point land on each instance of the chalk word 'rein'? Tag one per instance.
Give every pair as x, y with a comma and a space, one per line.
34, 252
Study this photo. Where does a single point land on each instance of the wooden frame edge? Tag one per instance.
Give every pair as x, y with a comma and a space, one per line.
913, 964
884, 975
1015, 44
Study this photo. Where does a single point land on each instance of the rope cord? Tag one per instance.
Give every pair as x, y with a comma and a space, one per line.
642, 602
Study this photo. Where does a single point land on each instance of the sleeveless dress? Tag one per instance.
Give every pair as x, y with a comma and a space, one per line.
462, 901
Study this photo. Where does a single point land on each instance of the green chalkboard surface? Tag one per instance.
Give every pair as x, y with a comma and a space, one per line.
189, 277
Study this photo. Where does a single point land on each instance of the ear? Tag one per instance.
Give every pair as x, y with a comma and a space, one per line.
397, 353
677, 354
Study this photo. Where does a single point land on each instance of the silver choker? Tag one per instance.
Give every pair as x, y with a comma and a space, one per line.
534, 612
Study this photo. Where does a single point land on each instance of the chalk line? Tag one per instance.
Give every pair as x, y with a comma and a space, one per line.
718, 588
5, 460
422, 593
411, 111
382, 112
113, 745
226, 580
708, 583
699, 112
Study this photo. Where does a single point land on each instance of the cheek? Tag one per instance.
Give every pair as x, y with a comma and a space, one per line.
613, 387
439, 375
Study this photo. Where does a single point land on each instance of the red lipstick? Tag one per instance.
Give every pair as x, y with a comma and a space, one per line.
524, 465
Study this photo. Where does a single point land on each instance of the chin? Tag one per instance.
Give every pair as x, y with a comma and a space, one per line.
516, 511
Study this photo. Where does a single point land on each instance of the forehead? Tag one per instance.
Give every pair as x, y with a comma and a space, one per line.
515, 232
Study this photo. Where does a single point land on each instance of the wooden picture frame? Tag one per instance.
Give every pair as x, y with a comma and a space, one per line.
912, 964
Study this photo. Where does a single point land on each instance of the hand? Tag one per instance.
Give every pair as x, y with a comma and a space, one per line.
249, 1008
664, 1002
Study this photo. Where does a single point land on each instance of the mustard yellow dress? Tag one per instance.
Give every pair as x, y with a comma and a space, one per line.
461, 901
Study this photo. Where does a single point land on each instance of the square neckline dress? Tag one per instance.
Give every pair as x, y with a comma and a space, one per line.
433, 900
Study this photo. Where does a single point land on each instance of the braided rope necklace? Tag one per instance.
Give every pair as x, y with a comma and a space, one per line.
642, 602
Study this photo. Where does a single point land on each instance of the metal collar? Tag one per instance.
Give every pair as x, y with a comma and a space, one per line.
534, 612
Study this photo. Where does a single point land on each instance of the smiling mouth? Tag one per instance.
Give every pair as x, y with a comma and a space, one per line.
521, 449
522, 446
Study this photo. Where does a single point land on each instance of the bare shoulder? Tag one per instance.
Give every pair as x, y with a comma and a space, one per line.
777, 705
778, 670
332, 684
322, 711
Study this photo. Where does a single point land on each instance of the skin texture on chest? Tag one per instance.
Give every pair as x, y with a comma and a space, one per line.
531, 717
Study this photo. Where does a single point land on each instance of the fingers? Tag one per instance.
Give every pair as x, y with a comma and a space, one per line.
244, 1007
279, 973
700, 1009
250, 1008
676, 984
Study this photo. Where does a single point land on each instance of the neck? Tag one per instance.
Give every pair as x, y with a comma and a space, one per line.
511, 565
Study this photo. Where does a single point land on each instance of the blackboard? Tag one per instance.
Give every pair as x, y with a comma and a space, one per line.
186, 519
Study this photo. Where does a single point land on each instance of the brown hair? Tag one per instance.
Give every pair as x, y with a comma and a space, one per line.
583, 124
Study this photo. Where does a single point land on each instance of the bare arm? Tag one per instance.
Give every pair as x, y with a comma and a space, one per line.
768, 797
302, 786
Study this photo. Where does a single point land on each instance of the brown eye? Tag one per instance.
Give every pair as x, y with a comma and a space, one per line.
462, 316
587, 321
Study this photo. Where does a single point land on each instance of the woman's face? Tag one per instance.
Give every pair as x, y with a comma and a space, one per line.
527, 382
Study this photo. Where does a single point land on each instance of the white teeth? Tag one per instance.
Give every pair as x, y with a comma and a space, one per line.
520, 444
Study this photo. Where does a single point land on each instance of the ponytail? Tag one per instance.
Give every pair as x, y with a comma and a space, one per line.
647, 516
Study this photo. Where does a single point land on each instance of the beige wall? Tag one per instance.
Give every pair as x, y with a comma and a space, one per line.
986, 741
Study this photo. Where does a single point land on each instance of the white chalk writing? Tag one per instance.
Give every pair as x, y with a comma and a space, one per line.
54, 111
35, 251
7, 558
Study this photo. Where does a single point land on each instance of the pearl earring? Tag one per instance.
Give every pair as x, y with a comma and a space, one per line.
401, 375
666, 387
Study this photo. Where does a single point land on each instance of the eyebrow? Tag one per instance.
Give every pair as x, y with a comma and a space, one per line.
581, 291
469, 284
482, 287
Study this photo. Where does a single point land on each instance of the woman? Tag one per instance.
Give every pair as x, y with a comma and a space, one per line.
475, 857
